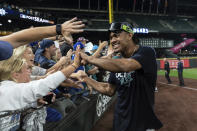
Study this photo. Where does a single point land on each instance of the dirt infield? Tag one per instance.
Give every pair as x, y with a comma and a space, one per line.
175, 106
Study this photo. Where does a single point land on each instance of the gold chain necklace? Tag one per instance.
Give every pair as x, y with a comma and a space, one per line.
134, 50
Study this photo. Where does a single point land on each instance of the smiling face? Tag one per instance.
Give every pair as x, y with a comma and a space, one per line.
24, 75
52, 49
20, 72
120, 41
29, 56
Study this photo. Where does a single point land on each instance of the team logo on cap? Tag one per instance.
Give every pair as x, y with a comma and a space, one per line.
127, 28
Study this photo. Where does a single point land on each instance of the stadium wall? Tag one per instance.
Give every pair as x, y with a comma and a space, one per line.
190, 62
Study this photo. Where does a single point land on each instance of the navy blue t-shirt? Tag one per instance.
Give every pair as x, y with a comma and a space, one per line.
45, 62
134, 109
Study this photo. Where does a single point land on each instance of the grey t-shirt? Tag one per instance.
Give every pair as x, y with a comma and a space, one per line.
38, 71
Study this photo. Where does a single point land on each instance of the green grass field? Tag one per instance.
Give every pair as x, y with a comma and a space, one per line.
187, 73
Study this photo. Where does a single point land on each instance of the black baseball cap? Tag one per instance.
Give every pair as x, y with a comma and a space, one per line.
121, 26
117, 27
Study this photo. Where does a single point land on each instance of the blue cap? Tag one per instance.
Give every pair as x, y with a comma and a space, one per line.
33, 43
6, 50
46, 43
76, 44
95, 47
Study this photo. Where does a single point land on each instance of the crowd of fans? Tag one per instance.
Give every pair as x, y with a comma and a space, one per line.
25, 11
32, 77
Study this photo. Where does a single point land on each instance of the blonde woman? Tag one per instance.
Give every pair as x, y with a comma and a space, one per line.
40, 73
16, 89
17, 92
36, 72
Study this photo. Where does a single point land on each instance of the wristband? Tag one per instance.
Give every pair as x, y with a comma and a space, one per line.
59, 29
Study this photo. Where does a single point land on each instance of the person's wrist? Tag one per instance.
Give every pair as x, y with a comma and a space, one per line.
61, 62
90, 58
102, 46
64, 59
85, 78
75, 65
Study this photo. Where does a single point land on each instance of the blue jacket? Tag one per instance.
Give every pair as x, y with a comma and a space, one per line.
180, 66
